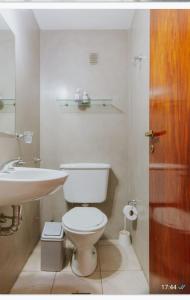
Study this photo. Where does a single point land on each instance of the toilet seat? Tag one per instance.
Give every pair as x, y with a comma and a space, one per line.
84, 219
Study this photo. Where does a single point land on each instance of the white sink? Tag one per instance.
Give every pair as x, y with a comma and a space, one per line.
27, 184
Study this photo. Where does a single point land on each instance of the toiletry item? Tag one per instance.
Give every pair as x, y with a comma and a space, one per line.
124, 235
130, 212
85, 97
78, 95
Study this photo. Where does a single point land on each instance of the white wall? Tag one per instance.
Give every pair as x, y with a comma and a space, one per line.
7, 63
84, 137
138, 81
14, 250
117, 139
7, 80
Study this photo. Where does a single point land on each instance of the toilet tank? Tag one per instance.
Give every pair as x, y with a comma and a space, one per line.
86, 183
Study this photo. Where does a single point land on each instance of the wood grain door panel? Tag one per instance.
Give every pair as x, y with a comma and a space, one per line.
170, 161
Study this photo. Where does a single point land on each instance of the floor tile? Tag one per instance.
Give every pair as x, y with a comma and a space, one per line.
108, 242
124, 282
34, 283
68, 283
114, 257
33, 263
38, 247
115, 263
67, 263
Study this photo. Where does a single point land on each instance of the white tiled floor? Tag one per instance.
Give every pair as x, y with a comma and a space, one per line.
117, 272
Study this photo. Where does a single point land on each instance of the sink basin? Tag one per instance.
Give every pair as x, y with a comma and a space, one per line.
27, 184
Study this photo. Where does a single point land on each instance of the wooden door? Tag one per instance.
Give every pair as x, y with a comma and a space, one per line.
170, 159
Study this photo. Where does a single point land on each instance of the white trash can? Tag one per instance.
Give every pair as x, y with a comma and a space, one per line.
52, 247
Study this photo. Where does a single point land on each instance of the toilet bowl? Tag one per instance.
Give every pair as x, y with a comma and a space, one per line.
84, 226
86, 184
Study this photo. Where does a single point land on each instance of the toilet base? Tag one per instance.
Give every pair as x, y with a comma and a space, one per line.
84, 261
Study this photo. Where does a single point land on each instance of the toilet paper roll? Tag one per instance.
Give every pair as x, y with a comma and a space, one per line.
130, 212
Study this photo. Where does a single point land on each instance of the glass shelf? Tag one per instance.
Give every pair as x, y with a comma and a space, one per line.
93, 106
7, 105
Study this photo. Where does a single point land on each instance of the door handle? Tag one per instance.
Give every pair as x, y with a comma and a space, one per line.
150, 134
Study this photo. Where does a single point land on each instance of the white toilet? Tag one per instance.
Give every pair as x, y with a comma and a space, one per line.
87, 183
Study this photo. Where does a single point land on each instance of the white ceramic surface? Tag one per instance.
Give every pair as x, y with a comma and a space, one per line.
87, 182
84, 226
84, 219
84, 259
26, 184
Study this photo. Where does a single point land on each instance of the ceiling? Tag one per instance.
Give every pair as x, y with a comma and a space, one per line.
86, 19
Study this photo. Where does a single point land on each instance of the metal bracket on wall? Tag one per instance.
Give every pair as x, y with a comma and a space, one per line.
132, 202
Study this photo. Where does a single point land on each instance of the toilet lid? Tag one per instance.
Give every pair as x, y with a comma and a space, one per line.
84, 218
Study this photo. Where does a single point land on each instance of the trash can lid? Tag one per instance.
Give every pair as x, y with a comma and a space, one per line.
52, 231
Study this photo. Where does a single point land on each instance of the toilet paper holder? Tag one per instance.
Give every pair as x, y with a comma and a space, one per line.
132, 203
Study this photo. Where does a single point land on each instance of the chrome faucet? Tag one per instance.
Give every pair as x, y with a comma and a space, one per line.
10, 164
